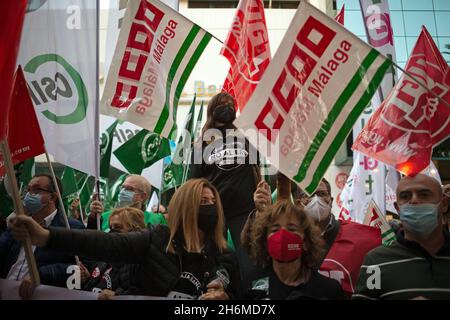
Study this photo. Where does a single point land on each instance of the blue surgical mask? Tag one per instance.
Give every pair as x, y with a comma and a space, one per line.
420, 219
32, 203
126, 198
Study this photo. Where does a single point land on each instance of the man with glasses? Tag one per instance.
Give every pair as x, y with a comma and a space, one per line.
135, 192
40, 202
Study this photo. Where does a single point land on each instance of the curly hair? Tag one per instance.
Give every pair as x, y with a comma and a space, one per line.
313, 244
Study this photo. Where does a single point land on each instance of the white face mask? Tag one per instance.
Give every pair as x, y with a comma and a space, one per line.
318, 209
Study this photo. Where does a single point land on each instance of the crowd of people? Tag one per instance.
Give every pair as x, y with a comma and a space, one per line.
223, 237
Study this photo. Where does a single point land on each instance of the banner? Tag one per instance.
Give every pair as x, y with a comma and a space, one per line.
247, 49
318, 83
346, 255
403, 131
24, 136
59, 57
155, 54
11, 21
367, 178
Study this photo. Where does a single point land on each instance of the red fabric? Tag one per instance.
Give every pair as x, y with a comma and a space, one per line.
11, 21
340, 16
284, 245
404, 129
347, 253
248, 51
23, 132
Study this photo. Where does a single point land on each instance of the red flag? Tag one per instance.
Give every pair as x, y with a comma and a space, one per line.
403, 131
340, 16
11, 21
247, 49
23, 132
347, 253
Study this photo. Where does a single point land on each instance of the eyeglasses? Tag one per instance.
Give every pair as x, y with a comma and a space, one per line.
132, 189
36, 190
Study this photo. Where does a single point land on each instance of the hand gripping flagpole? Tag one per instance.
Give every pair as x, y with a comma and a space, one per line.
18, 208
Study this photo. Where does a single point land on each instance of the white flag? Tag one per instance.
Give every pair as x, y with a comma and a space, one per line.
58, 53
367, 179
318, 83
155, 54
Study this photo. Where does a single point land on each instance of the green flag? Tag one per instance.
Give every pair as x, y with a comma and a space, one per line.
26, 171
173, 176
186, 137
141, 151
115, 188
198, 125
69, 182
105, 149
86, 189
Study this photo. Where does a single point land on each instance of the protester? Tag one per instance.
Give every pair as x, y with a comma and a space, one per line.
41, 203
187, 259
287, 245
229, 163
135, 192
446, 191
417, 264
116, 279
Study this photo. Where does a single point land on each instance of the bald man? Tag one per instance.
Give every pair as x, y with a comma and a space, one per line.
417, 264
135, 192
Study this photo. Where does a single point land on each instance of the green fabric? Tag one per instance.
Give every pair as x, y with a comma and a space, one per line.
149, 218
143, 150
105, 149
230, 242
68, 181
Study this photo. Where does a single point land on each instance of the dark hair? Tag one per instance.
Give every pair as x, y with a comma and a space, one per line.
212, 104
51, 184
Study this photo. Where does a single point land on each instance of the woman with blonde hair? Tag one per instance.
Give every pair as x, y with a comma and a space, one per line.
286, 245
187, 259
110, 279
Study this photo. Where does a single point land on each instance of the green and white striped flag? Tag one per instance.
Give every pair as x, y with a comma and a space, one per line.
318, 83
155, 54
375, 218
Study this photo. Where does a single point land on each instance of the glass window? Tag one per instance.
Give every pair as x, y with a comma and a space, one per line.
414, 21
443, 23
443, 43
400, 49
417, 5
397, 23
354, 22
395, 5
349, 4
441, 5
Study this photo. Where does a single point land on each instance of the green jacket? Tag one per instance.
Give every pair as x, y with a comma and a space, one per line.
404, 270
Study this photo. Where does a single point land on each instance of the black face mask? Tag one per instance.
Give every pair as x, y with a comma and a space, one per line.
224, 113
207, 218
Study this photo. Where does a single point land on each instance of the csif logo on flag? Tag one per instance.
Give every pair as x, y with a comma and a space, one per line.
104, 143
65, 86
150, 146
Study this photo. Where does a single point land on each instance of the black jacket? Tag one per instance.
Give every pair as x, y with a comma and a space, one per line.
52, 266
116, 277
158, 270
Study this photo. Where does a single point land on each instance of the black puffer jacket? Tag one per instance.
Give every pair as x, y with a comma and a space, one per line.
158, 271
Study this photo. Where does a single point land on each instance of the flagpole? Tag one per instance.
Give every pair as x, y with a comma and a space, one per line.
419, 83
18, 208
97, 186
61, 204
